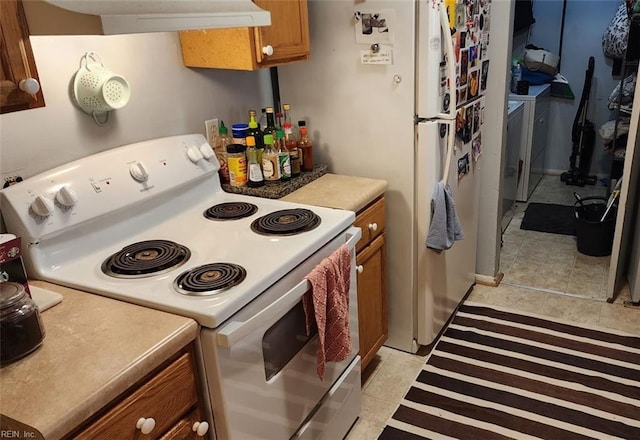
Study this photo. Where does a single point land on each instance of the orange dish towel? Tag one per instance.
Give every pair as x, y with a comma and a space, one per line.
328, 303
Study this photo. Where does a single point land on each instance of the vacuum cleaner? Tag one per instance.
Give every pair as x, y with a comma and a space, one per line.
583, 137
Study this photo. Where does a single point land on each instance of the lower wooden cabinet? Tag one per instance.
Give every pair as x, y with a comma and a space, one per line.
164, 407
372, 281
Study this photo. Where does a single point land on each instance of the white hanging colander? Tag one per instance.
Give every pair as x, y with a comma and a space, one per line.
97, 90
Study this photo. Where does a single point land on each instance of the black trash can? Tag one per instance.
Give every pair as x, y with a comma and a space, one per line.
595, 237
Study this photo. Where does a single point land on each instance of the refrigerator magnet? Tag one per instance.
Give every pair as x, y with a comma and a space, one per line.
476, 147
460, 124
464, 65
461, 15
473, 56
476, 117
463, 166
375, 26
484, 74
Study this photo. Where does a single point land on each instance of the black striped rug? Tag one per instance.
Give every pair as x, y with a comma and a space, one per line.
498, 374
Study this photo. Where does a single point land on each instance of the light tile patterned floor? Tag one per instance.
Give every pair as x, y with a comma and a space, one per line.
549, 264
552, 261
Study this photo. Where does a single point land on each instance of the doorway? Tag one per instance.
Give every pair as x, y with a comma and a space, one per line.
546, 261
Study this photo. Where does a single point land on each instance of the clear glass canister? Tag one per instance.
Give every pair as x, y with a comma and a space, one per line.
21, 329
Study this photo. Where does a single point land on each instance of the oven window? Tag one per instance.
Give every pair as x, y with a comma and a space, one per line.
284, 339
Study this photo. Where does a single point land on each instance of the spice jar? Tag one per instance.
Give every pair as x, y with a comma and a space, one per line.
21, 330
239, 133
237, 162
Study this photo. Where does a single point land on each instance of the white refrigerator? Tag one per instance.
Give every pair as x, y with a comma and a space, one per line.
377, 100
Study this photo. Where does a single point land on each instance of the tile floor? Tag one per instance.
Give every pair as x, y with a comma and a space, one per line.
559, 294
526, 255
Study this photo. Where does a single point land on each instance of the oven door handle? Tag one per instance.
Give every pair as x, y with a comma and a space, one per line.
235, 331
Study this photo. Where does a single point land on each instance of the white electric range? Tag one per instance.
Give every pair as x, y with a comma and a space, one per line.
149, 223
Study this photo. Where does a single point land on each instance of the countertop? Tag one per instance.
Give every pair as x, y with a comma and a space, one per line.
534, 92
94, 349
279, 189
339, 191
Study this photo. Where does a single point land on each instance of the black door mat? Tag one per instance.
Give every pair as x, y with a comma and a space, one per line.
551, 218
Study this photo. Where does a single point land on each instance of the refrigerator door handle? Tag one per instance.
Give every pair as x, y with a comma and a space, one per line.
451, 63
448, 156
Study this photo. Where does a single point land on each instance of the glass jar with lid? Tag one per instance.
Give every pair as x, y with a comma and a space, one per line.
21, 329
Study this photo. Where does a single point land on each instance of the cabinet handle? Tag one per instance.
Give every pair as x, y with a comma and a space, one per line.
146, 425
200, 428
267, 50
373, 227
360, 268
29, 85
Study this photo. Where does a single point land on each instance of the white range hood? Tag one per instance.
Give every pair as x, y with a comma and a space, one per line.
136, 16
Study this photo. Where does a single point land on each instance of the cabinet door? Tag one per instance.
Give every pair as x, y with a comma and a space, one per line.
288, 34
164, 398
372, 299
17, 60
244, 48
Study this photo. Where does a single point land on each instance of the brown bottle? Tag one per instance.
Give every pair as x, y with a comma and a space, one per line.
306, 148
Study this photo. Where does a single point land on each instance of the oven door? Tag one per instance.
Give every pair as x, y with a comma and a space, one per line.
260, 365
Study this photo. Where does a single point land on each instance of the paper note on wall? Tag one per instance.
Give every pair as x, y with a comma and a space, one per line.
383, 56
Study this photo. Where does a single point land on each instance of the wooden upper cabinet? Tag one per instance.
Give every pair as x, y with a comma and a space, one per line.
17, 60
249, 48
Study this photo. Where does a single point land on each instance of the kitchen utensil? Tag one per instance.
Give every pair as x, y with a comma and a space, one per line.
97, 90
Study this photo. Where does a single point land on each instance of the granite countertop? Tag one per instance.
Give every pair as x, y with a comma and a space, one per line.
94, 349
279, 189
339, 191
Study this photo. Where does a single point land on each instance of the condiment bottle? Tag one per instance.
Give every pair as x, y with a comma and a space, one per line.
283, 156
270, 163
237, 161
220, 142
270, 128
290, 141
256, 179
306, 148
254, 130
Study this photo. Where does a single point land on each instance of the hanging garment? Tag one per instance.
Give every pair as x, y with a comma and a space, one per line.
445, 226
614, 38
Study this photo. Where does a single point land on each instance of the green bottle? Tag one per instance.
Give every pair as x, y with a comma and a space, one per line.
254, 130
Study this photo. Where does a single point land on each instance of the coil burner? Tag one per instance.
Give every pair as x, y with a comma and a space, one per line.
230, 211
145, 259
286, 222
209, 279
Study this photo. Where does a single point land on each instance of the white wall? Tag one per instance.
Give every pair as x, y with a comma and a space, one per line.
166, 99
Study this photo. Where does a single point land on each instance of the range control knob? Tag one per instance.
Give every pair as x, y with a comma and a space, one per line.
194, 154
42, 206
66, 196
138, 172
207, 151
